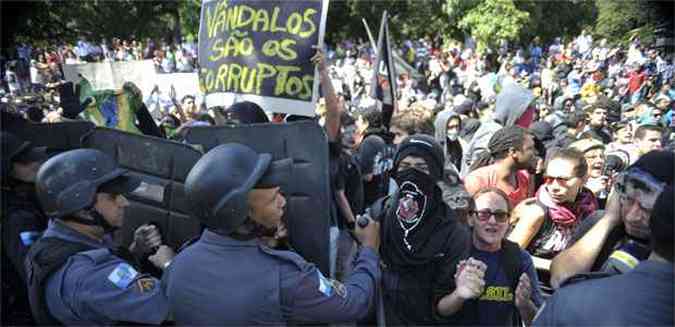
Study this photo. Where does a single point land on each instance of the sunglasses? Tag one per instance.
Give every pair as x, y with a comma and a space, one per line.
484, 215
564, 181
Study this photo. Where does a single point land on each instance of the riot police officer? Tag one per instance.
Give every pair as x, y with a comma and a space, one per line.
22, 223
75, 274
230, 276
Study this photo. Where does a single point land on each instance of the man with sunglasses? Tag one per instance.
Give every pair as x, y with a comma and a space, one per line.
504, 273
618, 240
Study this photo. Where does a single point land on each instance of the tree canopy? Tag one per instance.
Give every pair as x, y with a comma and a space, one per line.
487, 20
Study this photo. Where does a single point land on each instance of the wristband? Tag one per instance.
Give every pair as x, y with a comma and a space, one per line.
166, 265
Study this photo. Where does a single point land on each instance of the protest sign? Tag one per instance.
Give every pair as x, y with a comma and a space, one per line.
260, 51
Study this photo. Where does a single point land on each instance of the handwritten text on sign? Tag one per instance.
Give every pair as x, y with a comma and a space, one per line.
259, 47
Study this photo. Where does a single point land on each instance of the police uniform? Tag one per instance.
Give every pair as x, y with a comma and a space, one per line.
640, 297
95, 287
223, 281
23, 223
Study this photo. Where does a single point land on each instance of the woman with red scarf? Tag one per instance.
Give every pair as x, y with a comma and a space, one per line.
545, 224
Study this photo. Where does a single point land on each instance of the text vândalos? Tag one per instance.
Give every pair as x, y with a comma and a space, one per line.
230, 26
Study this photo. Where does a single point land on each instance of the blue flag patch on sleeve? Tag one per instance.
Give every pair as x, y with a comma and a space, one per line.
29, 237
122, 275
325, 285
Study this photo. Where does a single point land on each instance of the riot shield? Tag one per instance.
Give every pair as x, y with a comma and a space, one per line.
162, 165
57, 137
308, 190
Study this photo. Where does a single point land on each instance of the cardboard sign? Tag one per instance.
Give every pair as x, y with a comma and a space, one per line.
260, 51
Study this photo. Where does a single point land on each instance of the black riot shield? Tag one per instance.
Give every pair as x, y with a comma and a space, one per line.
57, 137
308, 191
162, 165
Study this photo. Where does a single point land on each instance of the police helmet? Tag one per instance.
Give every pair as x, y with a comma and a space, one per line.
217, 186
16, 149
68, 182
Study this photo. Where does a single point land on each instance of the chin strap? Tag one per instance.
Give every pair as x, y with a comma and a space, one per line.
98, 220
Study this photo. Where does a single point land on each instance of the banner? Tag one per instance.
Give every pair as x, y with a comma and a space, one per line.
112, 108
260, 51
113, 75
384, 73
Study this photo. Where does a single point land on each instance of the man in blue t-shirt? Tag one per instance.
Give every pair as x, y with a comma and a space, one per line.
509, 289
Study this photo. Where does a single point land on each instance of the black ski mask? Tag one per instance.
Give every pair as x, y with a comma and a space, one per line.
416, 190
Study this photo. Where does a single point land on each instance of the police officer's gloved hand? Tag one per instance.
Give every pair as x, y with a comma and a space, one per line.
369, 235
146, 239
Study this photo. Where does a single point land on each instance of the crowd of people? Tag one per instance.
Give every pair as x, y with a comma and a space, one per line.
31, 69
518, 185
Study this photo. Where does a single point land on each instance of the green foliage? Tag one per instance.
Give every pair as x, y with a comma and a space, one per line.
618, 21
50, 20
47, 21
551, 19
408, 19
190, 11
493, 20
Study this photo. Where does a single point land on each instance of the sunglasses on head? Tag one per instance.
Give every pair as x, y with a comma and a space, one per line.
484, 215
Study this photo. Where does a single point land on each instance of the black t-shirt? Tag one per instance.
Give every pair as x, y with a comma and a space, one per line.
351, 177
346, 176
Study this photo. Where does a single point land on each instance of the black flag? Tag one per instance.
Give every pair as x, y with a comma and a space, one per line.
384, 76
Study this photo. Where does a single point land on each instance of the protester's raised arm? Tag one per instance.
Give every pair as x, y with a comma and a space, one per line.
333, 108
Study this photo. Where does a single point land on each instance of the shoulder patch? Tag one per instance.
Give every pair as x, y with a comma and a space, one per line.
145, 284
122, 275
330, 286
29, 237
325, 285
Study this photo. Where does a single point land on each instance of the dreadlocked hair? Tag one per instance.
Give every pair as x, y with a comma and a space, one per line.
505, 139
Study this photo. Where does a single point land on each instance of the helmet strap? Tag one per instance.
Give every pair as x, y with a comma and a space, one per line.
98, 220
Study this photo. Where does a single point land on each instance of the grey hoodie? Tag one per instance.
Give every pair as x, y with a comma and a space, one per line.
512, 102
441, 132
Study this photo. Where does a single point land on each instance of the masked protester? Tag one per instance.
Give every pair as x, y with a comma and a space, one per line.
616, 241
422, 242
23, 223
448, 126
76, 275
231, 276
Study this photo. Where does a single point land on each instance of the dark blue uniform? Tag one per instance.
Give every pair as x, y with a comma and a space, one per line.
23, 222
640, 297
223, 281
96, 287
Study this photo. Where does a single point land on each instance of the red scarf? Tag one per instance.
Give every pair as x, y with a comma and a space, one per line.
569, 213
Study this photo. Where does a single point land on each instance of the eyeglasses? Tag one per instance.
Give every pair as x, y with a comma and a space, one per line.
564, 181
484, 215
